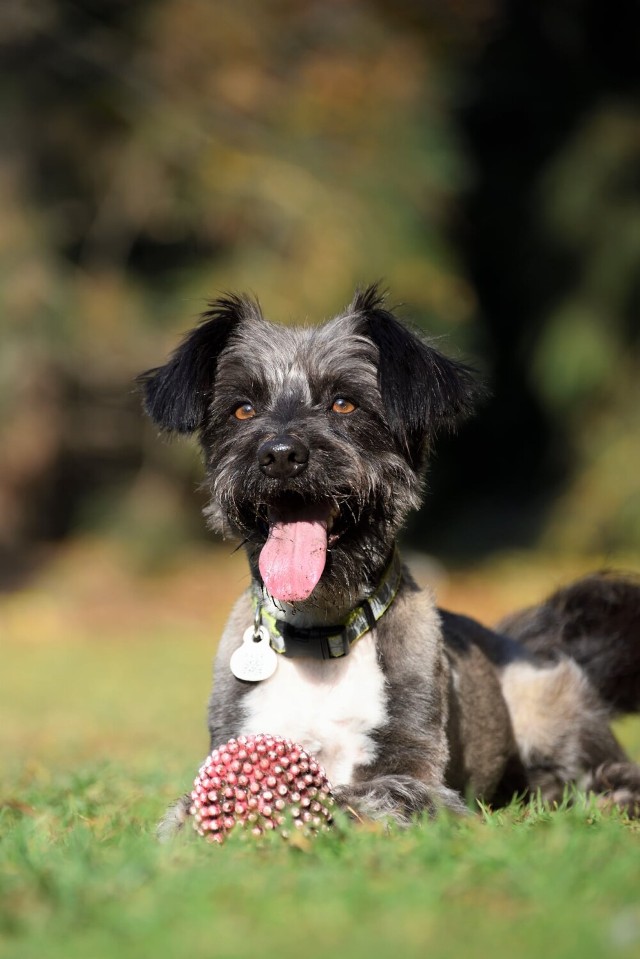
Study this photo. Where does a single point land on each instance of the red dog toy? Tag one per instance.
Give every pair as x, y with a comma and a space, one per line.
256, 781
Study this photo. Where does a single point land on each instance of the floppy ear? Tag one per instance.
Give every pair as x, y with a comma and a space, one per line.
422, 389
177, 395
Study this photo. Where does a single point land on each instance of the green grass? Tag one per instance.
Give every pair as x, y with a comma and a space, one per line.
97, 735
84, 877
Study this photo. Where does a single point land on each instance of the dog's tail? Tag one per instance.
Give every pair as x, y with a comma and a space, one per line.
595, 621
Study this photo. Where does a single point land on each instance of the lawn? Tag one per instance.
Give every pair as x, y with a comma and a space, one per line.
102, 724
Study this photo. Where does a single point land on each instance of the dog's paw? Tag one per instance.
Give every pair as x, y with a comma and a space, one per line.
617, 784
401, 798
174, 819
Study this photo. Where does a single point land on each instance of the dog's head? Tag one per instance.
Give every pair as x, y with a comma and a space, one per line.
315, 439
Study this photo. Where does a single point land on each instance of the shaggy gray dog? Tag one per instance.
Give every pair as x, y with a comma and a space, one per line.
315, 443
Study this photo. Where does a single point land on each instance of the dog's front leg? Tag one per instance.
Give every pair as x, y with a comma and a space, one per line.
400, 798
407, 777
174, 818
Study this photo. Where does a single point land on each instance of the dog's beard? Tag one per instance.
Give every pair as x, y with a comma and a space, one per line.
310, 542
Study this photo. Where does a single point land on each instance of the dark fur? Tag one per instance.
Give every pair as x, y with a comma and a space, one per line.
455, 726
596, 621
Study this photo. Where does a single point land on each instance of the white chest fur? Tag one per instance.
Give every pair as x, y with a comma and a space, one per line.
331, 708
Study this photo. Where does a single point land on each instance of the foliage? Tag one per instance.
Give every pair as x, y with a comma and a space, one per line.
479, 158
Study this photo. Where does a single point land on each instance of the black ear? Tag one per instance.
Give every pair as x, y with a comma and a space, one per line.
422, 389
177, 395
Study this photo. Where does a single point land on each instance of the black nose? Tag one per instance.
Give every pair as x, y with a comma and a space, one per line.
283, 457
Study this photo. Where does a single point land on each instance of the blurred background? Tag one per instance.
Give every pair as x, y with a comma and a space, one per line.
480, 157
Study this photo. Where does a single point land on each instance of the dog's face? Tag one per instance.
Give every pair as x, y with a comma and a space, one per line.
314, 439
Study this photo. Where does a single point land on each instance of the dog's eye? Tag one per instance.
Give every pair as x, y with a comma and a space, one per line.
340, 405
245, 411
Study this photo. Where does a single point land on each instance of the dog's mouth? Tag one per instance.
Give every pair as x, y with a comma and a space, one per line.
294, 556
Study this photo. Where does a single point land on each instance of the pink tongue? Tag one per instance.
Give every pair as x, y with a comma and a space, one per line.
292, 560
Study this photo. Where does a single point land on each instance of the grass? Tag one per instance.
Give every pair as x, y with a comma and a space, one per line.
97, 736
86, 879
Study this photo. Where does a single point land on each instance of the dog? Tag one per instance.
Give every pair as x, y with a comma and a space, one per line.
315, 444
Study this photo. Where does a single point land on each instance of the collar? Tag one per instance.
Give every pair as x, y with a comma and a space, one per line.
330, 642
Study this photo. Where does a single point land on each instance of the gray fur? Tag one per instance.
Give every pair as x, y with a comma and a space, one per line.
292, 373
469, 713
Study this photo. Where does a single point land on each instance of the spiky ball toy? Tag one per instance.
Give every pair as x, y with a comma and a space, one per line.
261, 782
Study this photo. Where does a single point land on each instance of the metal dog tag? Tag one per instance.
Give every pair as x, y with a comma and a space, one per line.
254, 660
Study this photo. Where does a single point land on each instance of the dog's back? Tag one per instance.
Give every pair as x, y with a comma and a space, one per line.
565, 668
596, 622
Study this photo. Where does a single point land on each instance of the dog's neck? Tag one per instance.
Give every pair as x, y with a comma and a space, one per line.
326, 607
330, 631
321, 611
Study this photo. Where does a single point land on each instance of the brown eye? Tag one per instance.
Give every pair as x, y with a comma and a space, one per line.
340, 405
244, 412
